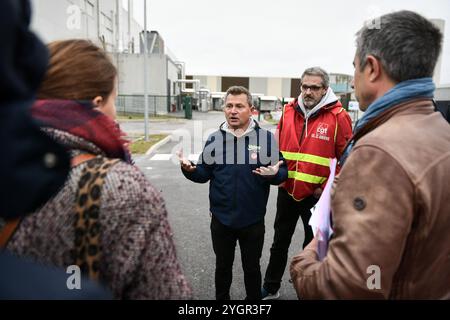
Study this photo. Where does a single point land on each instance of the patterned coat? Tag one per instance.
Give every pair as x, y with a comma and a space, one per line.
138, 259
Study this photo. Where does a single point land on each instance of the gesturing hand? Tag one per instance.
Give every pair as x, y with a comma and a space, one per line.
268, 171
186, 165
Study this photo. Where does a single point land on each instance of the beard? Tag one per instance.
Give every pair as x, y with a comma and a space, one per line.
310, 103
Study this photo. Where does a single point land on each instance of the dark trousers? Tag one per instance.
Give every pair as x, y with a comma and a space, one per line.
288, 212
251, 240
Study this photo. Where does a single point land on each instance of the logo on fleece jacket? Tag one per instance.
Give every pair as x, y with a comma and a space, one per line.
254, 150
321, 132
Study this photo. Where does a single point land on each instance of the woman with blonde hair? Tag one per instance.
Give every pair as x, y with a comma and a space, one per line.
107, 219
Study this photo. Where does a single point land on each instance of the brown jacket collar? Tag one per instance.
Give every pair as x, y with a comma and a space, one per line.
425, 103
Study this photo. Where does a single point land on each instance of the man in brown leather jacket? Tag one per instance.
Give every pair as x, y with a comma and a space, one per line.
390, 202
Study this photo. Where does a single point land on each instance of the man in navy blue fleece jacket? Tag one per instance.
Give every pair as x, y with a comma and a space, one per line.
241, 161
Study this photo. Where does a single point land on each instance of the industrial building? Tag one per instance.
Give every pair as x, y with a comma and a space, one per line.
111, 25
270, 88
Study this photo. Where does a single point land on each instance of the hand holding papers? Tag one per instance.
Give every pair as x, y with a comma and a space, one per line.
320, 220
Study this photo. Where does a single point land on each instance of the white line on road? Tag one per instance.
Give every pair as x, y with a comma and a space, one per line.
161, 157
168, 156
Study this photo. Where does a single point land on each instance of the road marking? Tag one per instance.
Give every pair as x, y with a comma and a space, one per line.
161, 157
168, 156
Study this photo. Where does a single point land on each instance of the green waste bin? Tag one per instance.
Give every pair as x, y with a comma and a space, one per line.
188, 107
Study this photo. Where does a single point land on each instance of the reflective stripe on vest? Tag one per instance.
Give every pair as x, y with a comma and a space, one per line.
306, 158
306, 177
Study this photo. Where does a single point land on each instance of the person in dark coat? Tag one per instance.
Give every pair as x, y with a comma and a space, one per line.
241, 160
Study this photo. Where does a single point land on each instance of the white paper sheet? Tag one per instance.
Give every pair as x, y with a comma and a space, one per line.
321, 216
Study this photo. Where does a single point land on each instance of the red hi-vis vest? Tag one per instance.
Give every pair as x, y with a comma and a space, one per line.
308, 147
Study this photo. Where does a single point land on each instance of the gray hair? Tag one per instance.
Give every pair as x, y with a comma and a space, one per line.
407, 44
237, 90
318, 71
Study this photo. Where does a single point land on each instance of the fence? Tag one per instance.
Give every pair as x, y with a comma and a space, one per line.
157, 105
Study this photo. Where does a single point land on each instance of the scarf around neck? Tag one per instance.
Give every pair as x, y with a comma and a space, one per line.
80, 119
402, 92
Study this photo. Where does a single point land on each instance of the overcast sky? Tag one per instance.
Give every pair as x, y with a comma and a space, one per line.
278, 38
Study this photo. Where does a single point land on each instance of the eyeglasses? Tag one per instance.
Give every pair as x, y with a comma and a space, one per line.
312, 88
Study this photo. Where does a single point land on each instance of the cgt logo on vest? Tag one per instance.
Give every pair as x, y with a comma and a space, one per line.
322, 132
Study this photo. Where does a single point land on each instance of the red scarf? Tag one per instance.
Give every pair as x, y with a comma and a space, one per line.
80, 119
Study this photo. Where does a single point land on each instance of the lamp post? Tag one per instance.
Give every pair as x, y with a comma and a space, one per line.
145, 74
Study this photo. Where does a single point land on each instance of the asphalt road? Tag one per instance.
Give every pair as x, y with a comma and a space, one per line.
188, 207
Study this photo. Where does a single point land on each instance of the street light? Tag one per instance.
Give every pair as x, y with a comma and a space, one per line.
145, 74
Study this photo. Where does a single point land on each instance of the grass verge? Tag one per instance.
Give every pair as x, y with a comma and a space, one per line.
141, 146
130, 116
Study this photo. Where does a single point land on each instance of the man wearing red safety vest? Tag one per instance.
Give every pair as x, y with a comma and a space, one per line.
313, 129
